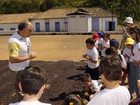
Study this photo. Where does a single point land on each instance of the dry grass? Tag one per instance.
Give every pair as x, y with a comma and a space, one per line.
53, 47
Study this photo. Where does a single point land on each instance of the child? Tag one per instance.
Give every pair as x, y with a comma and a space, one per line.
104, 44
115, 43
92, 56
101, 35
95, 37
127, 52
113, 93
90, 87
31, 85
114, 50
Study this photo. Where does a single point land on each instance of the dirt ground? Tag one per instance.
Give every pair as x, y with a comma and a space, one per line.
59, 55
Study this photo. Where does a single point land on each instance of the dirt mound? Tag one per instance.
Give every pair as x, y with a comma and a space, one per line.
63, 79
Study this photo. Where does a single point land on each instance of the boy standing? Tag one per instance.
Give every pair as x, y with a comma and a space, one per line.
31, 83
92, 56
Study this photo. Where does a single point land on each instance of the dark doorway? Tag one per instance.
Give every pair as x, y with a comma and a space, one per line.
111, 26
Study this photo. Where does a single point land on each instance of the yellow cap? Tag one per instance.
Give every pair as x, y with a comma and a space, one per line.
71, 103
129, 41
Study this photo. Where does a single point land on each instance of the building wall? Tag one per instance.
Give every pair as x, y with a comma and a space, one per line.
104, 23
95, 23
8, 28
89, 29
42, 24
52, 24
78, 23
62, 24
73, 23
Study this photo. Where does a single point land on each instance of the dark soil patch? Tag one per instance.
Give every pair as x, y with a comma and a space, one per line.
63, 78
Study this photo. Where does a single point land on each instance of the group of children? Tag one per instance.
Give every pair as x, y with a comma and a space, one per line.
107, 66
32, 81
109, 49
100, 46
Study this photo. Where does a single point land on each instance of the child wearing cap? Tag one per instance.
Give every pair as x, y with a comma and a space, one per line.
114, 50
104, 43
127, 52
100, 34
95, 37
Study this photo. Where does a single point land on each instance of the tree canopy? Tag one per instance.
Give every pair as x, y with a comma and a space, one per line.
122, 8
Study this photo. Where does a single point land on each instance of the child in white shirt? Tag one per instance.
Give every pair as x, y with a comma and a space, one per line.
31, 83
127, 52
90, 87
92, 57
104, 44
113, 93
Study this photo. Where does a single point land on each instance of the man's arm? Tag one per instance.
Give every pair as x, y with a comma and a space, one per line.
19, 59
14, 56
126, 33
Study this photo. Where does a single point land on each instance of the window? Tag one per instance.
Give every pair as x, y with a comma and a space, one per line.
12, 28
1, 29
57, 26
37, 27
47, 26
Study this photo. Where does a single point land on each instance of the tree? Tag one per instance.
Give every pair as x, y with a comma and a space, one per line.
47, 4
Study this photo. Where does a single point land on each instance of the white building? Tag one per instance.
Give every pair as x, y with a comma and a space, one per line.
79, 22
67, 20
9, 22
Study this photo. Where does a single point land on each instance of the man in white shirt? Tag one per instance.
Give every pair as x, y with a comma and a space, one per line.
20, 47
113, 94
